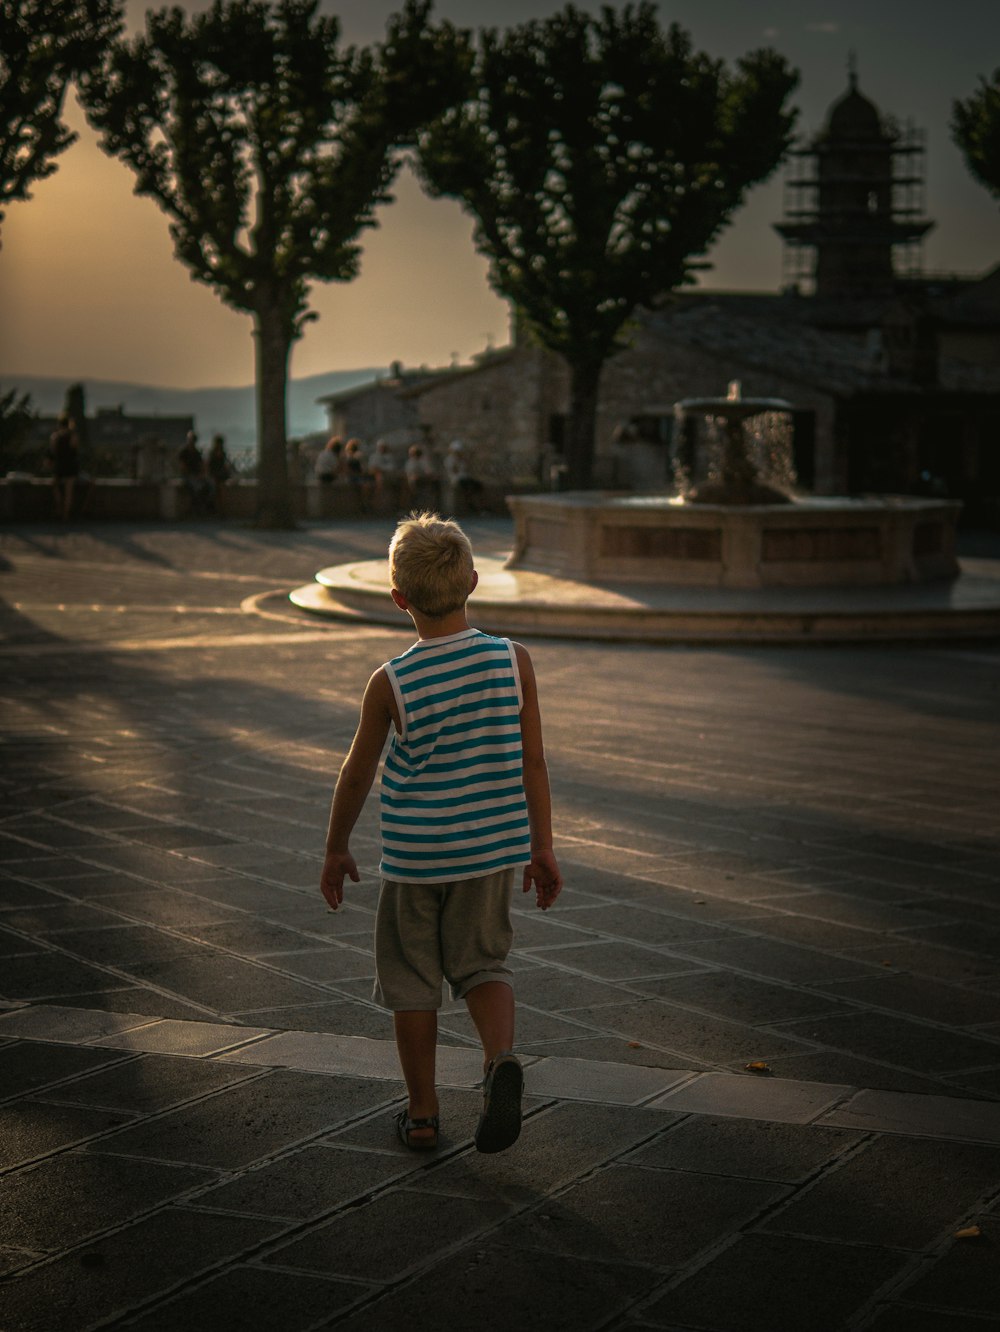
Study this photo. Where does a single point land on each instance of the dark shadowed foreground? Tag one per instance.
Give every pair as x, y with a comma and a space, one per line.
775, 857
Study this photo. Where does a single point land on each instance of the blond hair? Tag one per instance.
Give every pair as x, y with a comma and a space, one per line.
430, 563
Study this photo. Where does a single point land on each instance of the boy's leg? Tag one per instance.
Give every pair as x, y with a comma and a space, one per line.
416, 1043
476, 938
491, 1007
408, 980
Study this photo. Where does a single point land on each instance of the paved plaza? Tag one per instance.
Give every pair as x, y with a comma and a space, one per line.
761, 1027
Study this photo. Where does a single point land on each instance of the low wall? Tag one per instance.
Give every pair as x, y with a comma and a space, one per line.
30, 499
118, 499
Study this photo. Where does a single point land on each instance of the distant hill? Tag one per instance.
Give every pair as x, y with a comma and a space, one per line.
227, 411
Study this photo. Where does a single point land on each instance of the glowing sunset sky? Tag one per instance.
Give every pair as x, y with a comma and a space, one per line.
89, 287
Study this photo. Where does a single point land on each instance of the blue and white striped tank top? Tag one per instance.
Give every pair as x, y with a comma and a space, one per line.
452, 796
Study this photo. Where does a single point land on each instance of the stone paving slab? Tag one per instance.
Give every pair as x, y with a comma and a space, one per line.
306, 1184
246, 1298
322, 1052
787, 1282
106, 1193
591, 1080
158, 1254
962, 1280
50, 1022
896, 1192
145, 1084
753, 1148
779, 1100
174, 1037
26, 1065
899, 1112
32, 1129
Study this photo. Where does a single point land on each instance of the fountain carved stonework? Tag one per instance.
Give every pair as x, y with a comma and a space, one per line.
736, 474
736, 528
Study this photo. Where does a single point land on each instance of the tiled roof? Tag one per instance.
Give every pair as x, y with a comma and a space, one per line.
394, 384
797, 351
485, 362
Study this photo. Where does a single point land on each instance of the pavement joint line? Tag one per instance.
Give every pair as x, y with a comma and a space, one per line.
687, 1091
109, 648
45, 562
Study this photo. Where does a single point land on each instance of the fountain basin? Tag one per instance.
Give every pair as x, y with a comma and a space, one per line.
608, 537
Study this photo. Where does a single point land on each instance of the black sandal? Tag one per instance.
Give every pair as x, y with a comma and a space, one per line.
500, 1122
405, 1126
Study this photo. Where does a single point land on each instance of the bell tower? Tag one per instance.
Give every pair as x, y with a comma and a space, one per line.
854, 203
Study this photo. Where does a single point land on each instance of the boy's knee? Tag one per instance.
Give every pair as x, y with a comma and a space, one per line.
462, 987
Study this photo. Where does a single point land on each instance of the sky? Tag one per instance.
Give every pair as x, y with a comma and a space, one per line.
89, 287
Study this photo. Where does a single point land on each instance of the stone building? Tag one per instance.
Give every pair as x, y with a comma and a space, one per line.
378, 409
864, 418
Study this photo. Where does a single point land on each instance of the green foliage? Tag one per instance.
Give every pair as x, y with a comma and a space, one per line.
43, 44
975, 127
267, 144
16, 419
599, 157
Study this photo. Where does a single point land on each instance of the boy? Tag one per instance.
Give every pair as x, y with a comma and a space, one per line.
464, 802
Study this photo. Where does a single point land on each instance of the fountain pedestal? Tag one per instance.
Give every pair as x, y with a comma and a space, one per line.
606, 537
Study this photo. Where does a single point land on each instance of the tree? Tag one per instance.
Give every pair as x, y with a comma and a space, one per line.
598, 156
43, 44
269, 148
975, 127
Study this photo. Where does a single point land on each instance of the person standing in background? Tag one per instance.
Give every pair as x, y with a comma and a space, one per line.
219, 472
64, 458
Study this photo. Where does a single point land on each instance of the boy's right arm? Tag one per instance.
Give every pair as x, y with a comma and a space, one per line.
542, 873
353, 785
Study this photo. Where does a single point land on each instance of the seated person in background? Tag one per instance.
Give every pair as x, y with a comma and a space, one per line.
357, 474
196, 483
330, 462
385, 475
421, 480
465, 493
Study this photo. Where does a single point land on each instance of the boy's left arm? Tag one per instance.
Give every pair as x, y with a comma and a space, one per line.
543, 872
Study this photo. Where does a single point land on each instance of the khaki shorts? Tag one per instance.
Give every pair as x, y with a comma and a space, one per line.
429, 932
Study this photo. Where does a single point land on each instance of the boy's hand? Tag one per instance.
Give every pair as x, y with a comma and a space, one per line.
337, 867
543, 873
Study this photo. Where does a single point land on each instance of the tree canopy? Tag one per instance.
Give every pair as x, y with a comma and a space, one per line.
16, 418
975, 127
43, 44
600, 156
269, 146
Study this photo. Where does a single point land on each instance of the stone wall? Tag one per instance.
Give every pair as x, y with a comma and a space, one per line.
379, 412
649, 377
498, 409
503, 409
114, 499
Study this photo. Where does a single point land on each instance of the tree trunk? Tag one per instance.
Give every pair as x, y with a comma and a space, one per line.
582, 425
275, 508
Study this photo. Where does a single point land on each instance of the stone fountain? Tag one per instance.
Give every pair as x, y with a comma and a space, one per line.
736, 528
737, 555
